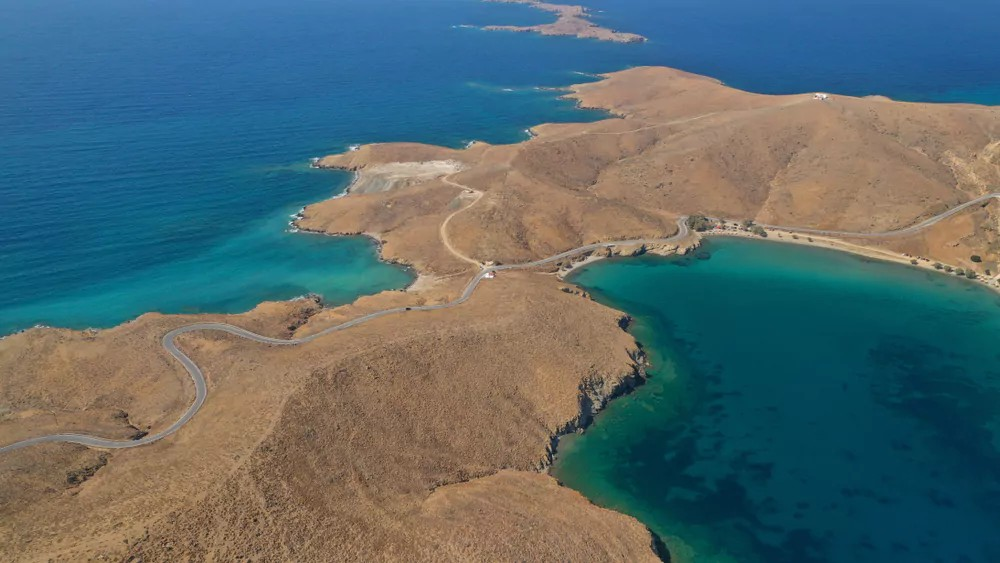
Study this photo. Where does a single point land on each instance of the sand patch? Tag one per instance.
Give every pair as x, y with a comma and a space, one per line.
395, 175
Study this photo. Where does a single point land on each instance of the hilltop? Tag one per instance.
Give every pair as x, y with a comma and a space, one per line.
682, 144
426, 435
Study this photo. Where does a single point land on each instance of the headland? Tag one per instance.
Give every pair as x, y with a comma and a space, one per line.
428, 432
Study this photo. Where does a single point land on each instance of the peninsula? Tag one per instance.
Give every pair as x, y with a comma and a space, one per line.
571, 20
426, 430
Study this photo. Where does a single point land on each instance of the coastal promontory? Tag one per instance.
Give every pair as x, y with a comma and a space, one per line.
426, 434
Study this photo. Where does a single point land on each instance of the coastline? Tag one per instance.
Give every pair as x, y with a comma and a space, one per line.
789, 237
571, 20
410, 213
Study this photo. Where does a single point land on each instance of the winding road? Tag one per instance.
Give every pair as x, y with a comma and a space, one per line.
201, 389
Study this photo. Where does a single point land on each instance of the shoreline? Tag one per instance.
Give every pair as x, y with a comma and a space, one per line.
872, 253
571, 20
788, 237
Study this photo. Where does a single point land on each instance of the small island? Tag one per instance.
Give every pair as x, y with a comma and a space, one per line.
571, 20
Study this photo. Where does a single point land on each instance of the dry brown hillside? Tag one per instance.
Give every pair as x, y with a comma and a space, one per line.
412, 437
687, 144
424, 435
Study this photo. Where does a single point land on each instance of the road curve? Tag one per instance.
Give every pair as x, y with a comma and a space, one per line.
201, 389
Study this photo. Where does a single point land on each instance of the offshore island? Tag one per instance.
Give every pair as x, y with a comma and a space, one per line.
571, 20
427, 434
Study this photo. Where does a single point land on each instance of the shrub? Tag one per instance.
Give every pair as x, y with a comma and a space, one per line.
913, 261
759, 231
699, 223
959, 272
971, 274
976, 258
949, 269
938, 266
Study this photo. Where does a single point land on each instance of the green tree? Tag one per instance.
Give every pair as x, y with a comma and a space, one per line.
699, 223
976, 258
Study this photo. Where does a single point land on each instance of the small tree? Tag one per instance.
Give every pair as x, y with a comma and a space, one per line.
699, 223
959, 272
759, 231
976, 258
938, 265
949, 269
971, 274
746, 224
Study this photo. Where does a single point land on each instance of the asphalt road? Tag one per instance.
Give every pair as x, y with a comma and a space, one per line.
201, 391
889, 234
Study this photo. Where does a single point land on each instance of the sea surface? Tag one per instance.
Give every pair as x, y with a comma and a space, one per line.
150, 152
803, 405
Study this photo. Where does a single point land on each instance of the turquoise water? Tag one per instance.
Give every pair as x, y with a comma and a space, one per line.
804, 405
150, 146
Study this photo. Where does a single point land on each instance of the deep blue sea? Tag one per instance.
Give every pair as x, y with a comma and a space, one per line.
152, 151
803, 406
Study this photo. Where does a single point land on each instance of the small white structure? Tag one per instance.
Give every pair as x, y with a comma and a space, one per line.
490, 275
821, 96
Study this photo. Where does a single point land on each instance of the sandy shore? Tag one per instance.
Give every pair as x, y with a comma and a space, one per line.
782, 236
778, 235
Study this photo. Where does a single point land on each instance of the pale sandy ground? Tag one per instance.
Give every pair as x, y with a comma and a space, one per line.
395, 175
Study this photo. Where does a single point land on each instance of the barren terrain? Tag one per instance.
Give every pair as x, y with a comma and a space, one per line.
423, 435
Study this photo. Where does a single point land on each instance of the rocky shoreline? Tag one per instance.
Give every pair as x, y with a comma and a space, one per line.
571, 20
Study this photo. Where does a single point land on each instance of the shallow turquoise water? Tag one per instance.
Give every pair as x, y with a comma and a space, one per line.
147, 146
804, 405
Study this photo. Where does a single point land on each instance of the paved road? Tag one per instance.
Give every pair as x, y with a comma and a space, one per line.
888, 234
201, 390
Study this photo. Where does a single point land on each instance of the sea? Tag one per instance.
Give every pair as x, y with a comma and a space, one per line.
152, 154
803, 405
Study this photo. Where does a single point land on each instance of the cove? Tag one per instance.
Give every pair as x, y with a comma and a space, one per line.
803, 405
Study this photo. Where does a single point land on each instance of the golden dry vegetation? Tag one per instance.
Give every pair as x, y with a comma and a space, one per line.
422, 435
